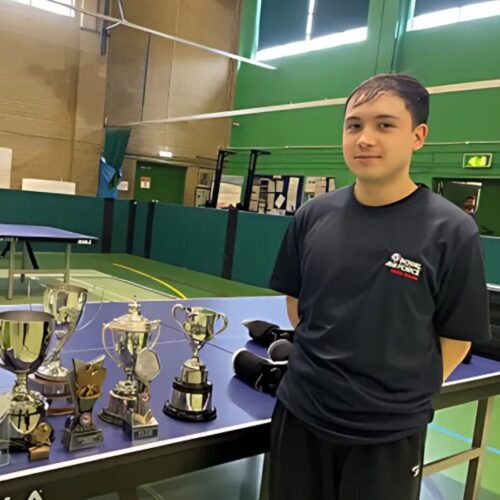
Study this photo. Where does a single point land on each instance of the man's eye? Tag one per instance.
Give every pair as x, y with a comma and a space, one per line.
386, 126
353, 126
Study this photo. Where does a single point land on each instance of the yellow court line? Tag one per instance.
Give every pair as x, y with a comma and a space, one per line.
164, 283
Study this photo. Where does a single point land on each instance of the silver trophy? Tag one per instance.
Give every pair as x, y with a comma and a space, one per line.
134, 338
24, 339
191, 398
66, 303
86, 380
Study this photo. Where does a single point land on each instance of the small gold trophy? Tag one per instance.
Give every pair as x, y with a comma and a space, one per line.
85, 380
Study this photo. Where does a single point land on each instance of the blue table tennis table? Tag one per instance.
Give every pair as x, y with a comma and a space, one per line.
13, 233
240, 430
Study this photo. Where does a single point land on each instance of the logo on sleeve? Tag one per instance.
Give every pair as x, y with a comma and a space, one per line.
404, 267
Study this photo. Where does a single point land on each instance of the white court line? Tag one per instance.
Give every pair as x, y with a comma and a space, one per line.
127, 451
123, 297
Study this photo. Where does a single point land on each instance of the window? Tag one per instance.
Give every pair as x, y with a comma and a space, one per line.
289, 27
51, 7
432, 13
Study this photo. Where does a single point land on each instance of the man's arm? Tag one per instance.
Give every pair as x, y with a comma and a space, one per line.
292, 307
453, 352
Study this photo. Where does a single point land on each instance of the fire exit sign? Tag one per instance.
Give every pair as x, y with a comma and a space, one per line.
477, 160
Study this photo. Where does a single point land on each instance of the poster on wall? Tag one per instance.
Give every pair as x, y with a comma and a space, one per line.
202, 196
145, 182
204, 178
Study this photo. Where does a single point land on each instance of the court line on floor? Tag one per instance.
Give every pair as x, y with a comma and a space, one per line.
456, 435
91, 285
154, 278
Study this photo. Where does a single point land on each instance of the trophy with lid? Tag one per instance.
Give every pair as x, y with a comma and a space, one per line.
66, 303
133, 338
191, 397
24, 340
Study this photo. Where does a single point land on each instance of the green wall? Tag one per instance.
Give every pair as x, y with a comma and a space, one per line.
166, 183
444, 55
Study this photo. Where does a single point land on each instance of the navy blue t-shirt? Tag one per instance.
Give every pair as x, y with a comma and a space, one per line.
377, 287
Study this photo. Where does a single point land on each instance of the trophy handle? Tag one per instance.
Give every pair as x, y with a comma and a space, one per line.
108, 352
224, 318
174, 310
157, 336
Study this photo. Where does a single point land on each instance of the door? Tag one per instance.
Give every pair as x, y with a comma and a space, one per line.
163, 183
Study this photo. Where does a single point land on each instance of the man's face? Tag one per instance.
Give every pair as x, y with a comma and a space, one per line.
469, 205
379, 138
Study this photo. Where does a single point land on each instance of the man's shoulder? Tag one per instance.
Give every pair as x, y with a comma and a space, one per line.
325, 202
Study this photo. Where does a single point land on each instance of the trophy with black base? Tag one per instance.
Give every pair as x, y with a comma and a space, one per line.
85, 380
191, 398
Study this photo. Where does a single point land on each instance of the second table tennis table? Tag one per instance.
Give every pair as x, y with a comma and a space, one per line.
14, 233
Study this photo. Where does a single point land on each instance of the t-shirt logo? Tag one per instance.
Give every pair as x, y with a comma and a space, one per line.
404, 267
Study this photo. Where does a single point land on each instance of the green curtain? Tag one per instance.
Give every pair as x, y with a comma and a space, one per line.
115, 145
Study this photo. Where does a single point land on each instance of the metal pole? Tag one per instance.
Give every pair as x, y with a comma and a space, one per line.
218, 176
252, 164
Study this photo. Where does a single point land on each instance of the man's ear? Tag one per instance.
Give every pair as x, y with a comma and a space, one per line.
420, 134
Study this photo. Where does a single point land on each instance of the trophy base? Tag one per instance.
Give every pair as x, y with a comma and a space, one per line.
39, 453
58, 392
189, 416
190, 402
74, 441
116, 411
141, 431
111, 418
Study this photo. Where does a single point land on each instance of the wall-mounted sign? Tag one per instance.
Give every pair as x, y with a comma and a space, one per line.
477, 160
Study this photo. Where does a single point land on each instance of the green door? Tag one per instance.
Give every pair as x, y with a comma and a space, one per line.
163, 183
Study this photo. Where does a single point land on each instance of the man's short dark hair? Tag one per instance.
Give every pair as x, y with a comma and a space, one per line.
406, 87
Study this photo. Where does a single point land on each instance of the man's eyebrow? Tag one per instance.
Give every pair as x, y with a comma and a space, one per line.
378, 117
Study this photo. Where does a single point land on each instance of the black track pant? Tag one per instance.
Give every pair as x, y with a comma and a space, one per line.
306, 467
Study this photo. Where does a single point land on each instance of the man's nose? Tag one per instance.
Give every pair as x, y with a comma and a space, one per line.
366, 140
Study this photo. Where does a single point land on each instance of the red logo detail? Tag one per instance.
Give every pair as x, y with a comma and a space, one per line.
405, 275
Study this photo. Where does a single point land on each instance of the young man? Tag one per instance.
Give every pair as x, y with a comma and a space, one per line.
385, 288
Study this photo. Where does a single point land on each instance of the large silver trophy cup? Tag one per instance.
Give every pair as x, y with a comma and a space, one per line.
66, 303
24, 339
191, 398
133, 338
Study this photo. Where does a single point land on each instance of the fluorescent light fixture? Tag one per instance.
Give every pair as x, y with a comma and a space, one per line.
166, 154
323, 42
480, 10
433, 19
51, 7
455, 15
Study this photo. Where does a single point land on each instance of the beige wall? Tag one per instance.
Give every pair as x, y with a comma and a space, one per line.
52, 87
56, 88
178, 81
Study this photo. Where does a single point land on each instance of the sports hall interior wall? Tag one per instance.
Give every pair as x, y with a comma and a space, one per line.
52, 90
154, 78
57, 90
246, 255
458, 53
